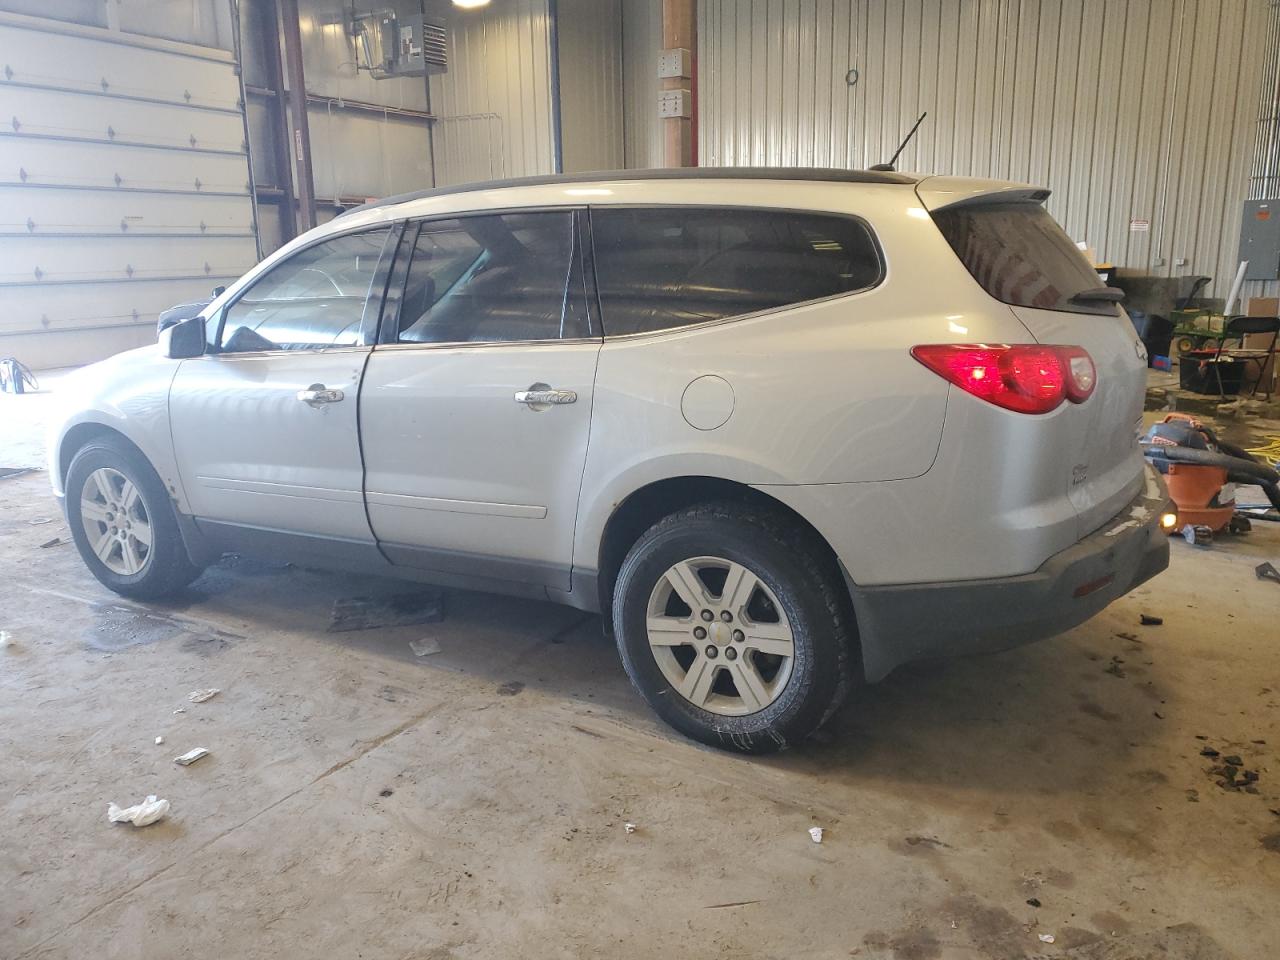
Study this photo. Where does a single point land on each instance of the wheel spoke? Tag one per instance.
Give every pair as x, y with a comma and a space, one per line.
129, 557
688, 586
696, 687
141, 533
739, 585
103, 545
103, 482
93, 511
751, 686
128, 496
772, 638
668, 632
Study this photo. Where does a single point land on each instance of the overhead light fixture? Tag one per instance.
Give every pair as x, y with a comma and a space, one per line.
470, 4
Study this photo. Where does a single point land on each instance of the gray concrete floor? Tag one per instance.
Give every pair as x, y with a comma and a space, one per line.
362, 802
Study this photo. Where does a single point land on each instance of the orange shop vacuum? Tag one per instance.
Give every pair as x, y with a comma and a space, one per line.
1201, 472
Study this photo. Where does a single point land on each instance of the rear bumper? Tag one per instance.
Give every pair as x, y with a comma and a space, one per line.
901, 623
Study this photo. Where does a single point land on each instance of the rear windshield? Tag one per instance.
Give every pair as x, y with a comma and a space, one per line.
1021, 256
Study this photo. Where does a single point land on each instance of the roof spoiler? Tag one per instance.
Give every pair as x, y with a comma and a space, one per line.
939, 193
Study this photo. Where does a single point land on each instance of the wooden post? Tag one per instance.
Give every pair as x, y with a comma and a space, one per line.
679, 29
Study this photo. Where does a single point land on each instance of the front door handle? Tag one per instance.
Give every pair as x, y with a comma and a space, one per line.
541, 397
318, 393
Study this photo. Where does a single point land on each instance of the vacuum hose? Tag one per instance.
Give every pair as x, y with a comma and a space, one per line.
1239, 469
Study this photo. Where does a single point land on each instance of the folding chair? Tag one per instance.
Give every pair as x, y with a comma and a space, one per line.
1238, 327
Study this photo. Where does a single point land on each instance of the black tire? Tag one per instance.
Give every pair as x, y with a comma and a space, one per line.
167, 567
797, 572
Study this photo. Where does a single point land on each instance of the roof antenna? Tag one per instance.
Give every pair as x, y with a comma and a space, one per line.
902, 146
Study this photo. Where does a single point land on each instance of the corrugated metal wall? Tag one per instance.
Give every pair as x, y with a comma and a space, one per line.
355, 153
494, 104
590, 42
124, 186
1129, 110
641, 44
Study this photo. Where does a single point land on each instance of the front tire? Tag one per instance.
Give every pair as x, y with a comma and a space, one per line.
123, 522
732, 627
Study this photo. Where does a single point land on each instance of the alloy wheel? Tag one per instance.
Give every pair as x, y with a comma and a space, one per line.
720, 636
116, 521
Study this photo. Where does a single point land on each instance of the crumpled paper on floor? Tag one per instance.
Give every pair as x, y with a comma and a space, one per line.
140, 815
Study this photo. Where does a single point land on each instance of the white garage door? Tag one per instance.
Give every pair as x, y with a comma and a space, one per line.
124, 186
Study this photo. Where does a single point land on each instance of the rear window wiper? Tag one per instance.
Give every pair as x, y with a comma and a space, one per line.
1094, 294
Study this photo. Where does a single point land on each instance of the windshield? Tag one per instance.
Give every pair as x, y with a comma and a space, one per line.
1020, 256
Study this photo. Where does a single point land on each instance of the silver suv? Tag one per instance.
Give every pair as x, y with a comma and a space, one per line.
785, 429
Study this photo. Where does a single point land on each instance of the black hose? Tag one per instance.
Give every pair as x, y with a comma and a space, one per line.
1251, 470
1272, 491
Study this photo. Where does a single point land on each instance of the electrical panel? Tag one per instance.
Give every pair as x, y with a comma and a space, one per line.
675, 103
674, 63
1260, 239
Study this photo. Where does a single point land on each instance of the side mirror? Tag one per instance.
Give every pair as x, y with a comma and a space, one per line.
183, 311
184, 340
218, 291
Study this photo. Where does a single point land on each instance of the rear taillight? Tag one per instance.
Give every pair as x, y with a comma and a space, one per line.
1027, 378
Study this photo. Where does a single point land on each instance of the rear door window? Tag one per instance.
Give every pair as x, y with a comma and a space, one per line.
668, 267
1020, 256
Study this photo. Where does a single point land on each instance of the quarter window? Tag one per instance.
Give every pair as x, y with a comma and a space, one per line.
498, 278
670, 267
314, 299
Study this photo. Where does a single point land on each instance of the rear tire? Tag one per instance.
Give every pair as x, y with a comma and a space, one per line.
762, 656
123, 522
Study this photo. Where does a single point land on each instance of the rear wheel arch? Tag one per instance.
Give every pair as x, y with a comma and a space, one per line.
649, 504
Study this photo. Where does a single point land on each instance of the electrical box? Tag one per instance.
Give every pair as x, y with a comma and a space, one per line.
675, 103
1260, 239
389, 46
675, 62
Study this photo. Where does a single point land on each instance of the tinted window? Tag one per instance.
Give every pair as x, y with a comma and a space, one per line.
1021, 256
314, 299
675, 266
493, 278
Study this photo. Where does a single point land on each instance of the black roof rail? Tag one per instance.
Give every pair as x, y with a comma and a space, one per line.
818, 174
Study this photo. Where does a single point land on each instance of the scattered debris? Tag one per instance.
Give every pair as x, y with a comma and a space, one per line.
1270, 842
140, 815
1267, 571
1047, 938
191, 756
424, 647
398, 610
1157, 714
200, 696
1234, 760
1033, 902
927, 842
1115, 669
736, 903
39, 521
1209, 752
180, 710
1193, 796
510, 688
55, 542
815, 833
629, 827
159, 740
1147, 620
1131, 637
385, 792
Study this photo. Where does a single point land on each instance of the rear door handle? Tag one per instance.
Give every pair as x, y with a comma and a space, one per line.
318, 393
535, 398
